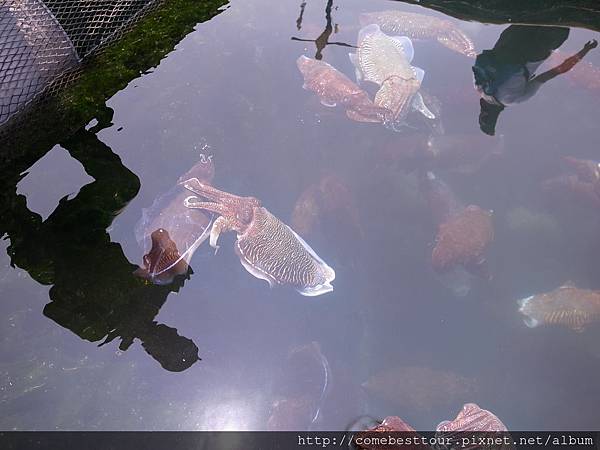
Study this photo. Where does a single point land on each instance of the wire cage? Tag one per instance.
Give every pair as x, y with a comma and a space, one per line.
43, 43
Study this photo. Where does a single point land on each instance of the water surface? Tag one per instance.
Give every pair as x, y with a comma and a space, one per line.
231, 89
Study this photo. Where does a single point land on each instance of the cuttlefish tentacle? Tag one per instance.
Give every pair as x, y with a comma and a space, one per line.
194, 202
209, 192
220, 225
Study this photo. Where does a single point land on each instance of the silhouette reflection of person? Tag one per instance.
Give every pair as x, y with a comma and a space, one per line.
505, 75
94, 292
322, 40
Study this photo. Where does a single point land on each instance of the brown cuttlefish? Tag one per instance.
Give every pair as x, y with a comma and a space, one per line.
420, 388
334, 88
583, 185
163, 262
370, 439
268, 248
568, 306
464, 232
463, 240
330, 200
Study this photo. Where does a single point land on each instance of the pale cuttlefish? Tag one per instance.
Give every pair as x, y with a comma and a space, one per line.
567, 305
169, 233
421, 27
385, 61
268, 248
334, 88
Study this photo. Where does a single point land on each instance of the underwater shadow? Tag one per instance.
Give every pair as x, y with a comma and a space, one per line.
94, 292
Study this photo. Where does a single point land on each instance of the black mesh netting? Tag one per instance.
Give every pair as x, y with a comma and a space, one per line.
42, 41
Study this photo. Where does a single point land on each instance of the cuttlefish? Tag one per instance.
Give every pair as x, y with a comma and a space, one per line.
420, 26
464, 232
170, 233
334, 88
420, 388
268, 248
567, 305
463, 239
584, 184
304, 386
587, 170
385, 61
329, 200
475, 421
471, 418
370, 439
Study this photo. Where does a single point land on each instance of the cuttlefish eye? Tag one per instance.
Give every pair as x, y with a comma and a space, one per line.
245, 215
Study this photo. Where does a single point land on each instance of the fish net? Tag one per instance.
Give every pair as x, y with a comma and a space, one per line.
43, 43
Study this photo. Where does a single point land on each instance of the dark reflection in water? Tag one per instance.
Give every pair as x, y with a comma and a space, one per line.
506, 75
322, 40
94, 292
299, 19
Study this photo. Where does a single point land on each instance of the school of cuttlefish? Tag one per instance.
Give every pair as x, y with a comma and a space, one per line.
194, 210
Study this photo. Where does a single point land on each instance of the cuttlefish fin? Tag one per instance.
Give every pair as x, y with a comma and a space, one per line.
419, 73
419, 105
253, 269
328, 104
358, 117
357, 72
404, 44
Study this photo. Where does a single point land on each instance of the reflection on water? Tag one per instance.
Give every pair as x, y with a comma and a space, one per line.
93, 293
407, 217
506, 75
322, 40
